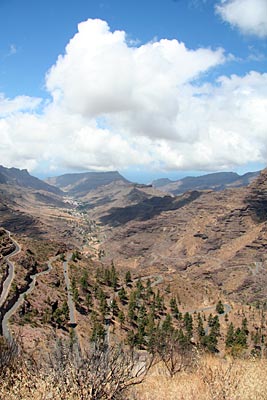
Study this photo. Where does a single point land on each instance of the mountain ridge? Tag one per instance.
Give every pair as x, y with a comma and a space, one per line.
215, 181
21, 177
80, 183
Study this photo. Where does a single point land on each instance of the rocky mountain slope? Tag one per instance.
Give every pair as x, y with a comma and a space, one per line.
22, 178
219, 238
216, 181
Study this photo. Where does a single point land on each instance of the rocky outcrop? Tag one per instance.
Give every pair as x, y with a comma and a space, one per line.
257, 197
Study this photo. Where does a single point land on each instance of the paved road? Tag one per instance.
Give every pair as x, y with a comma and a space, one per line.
7, 284
6, 287
5, 328
11, 271
227, 309
71, 304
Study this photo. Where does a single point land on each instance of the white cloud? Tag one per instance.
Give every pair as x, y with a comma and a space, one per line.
101, 74
250, 16
116, 106
19, 103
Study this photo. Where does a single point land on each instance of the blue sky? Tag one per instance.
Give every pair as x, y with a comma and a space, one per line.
183, 89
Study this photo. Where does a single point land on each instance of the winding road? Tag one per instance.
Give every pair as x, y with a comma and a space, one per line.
7, 285
5, 329
157, 279
11, 271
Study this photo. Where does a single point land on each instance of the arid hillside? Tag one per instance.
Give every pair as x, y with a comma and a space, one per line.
219, 238
193, 250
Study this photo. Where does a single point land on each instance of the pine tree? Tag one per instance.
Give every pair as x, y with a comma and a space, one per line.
174, 308
230, 336
121, 318
244, 326
200, 328
114, 307
159, 303
114, 277
131, 311
188, 324
139, 287
122, 295
84, 281
128, 278
240, 338
167, 324
220, 307
98, 332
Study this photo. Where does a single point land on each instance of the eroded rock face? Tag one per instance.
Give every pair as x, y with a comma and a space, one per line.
257, 198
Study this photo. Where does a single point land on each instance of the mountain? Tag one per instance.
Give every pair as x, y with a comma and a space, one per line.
216, 181
81, 183
213, 238
22, 178
199, 247
147, 207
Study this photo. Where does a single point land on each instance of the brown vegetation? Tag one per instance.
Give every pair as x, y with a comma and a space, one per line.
117, 373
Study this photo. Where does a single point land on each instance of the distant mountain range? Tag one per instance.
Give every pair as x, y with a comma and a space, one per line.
22, 178
216, 181
79, 184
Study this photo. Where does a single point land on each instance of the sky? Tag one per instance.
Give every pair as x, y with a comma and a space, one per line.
163, 88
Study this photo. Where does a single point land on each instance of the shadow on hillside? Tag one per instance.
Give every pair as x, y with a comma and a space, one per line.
148, 209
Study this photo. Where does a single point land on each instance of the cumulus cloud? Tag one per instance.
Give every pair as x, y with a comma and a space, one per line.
116, 106
101, 74
249, 16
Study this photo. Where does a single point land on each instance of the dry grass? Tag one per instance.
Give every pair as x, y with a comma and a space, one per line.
63, 378
213, 379
101, 373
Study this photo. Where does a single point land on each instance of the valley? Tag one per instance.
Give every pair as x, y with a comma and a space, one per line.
65, 260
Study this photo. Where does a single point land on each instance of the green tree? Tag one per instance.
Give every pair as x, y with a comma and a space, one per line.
122, 295
230, 336
200, 329
139, 287
114, 277
167, 324
114, 307
84, 281
128, 278
240, 338
174, 308
121, 318
98, 333
220, 307
188, 324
